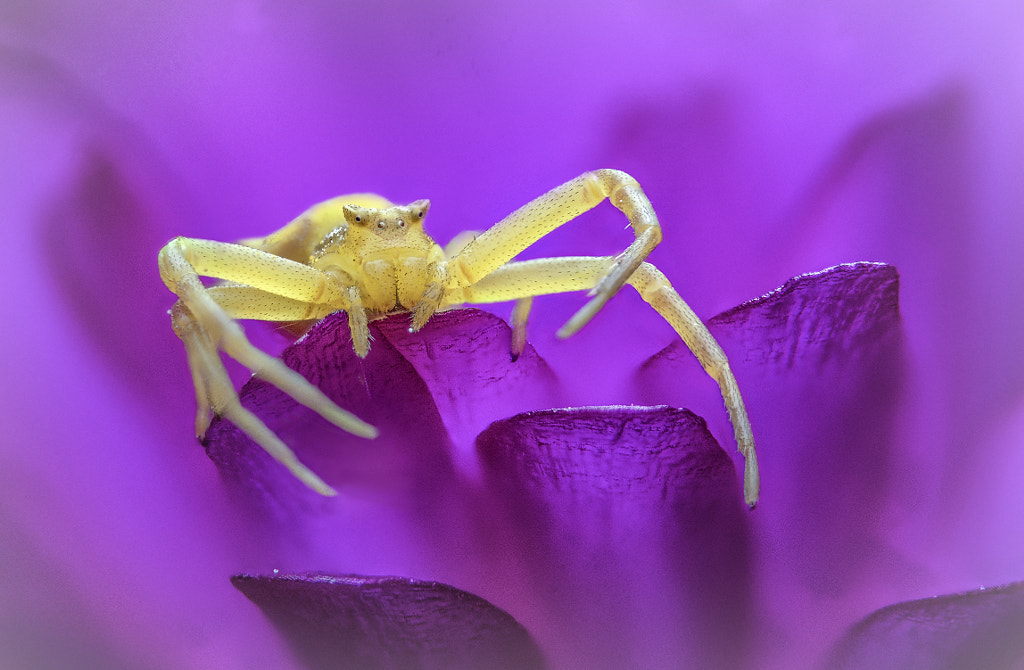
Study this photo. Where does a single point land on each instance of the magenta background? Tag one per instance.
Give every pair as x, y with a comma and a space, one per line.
773, 139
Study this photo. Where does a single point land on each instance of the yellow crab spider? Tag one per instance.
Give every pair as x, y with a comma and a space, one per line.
369, 257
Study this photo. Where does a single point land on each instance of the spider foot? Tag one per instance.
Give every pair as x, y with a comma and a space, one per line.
751, 480
215, 395
520, 315
619, 271
425, 308
606, 283
250, 424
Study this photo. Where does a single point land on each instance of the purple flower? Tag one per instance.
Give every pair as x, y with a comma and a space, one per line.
773, 140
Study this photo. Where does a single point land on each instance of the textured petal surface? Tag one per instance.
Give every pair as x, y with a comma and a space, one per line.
413, 387
452, 378
813, 320
389, 623
614, 510
463, 357
977, 629
383, 390
820, 365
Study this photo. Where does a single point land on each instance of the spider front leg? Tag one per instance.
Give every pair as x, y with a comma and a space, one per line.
500, 244
434, 293
204, 318
517, 281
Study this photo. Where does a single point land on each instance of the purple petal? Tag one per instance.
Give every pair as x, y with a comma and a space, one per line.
112, 542
458, 365
412, 476
847, 311
977, 629
383, 389
389, 622
829, 317
455, 373
820, 365
463, 357
608, 455
615, 511
105, 217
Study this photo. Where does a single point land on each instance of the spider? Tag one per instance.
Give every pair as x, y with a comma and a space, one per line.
369, 257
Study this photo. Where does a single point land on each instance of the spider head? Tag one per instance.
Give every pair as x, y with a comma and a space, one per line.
392, 223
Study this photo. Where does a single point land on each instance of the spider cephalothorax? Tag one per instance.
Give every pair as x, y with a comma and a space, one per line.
369, 257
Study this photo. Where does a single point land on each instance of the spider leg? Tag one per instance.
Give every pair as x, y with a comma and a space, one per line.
498, 245
655, 288
216, 395
519, 280
459, 242
204, 318
520, 316
433, 294
358, 324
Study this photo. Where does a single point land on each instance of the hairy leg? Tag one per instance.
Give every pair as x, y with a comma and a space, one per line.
495, 247
204, 318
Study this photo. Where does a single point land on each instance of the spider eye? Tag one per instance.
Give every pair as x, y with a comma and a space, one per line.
359, 219
380, 225
419, 214
401, 223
